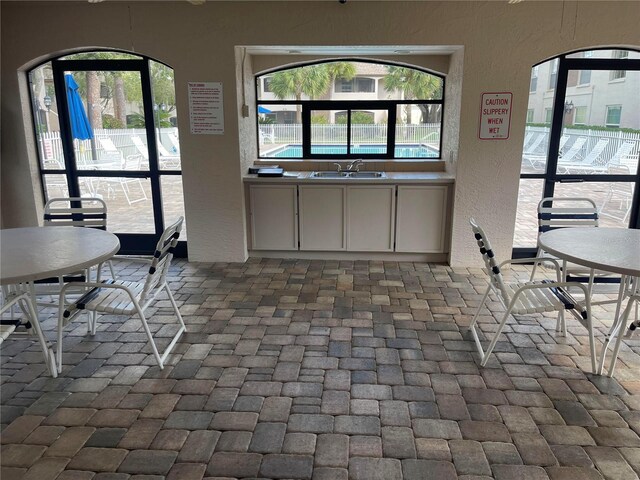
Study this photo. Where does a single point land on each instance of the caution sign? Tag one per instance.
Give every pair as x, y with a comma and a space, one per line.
495, 116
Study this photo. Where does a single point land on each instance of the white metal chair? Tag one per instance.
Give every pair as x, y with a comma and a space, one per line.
632, 291
567, 212
167, 160
15, 295
110, 152
528, 297
573, 151
621, 192
128, 298
591, 163
264, 136
90, 212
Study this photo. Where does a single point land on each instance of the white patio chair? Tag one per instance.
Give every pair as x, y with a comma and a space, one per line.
264, 136
110, 153
121, 297
568, 212
539, 161
621, 192
591, 163
528, 298
166, 159
175, 143
89, 212
573, 151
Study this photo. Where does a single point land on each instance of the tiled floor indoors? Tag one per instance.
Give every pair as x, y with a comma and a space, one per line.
324, 370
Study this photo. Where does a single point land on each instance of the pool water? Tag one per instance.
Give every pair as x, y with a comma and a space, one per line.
401, 151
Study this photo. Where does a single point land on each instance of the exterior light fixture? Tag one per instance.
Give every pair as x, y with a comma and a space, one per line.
47, 102
568, 107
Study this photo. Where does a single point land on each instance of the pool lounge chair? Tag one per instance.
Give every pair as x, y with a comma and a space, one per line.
167, 160
591, 163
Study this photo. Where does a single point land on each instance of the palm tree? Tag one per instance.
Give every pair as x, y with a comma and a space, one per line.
311, 80
415, 85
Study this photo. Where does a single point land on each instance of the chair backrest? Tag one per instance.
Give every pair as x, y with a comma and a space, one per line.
489, 258
107, 145
140, 146
565, 212
575, 148
596, 151
162, 258
622, 151
163, 152
531, 148
76, 212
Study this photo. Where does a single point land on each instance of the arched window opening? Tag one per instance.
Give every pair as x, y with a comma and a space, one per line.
582, 138
105, 126
350, 109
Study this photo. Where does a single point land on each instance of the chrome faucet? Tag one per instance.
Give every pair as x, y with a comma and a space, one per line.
339, 166
355, 165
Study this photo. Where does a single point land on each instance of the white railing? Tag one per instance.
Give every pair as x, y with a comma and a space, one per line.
616, 139
52, 154
333, 134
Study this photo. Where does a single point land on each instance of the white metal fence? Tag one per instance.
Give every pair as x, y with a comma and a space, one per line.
332, 134
52, 154
615, 137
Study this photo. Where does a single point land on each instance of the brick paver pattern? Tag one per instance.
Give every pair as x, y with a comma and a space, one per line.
320, 370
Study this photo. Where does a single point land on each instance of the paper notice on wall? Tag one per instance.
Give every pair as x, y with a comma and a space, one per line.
495, 116
205, 108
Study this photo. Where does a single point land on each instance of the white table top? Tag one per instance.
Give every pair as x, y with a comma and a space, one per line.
615, 250
34, 253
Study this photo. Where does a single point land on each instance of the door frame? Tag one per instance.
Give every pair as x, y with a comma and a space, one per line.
131, 243
550, 176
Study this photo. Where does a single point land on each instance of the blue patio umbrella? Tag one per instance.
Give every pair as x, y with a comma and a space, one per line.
80, 126
261, 109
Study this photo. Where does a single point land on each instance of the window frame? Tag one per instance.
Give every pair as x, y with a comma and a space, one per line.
609, 108
307, 106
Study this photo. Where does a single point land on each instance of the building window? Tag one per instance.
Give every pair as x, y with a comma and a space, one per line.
406, 124
548, 115
553, 74
266, 88
533, 85
614, 113
530, 115
618, 74
585, 77
580, 117
355, 85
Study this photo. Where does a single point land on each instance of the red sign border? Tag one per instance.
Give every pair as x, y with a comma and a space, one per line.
480, 116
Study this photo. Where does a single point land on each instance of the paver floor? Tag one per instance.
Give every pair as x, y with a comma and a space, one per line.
323, 370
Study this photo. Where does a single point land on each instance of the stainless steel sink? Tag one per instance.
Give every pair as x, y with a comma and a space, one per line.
367, 175
329, 174
334, 174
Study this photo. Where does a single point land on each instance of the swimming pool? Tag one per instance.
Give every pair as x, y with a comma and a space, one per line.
401, 151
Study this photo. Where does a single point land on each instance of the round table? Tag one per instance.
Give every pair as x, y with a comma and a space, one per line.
35, 253
615, 250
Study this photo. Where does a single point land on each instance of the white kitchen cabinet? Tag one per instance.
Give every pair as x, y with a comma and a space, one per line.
370, 218
322, 217
274, 217
421, 219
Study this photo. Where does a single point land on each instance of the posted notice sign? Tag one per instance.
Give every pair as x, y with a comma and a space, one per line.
495, 116
205, 108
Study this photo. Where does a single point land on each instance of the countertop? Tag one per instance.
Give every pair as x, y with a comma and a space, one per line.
391, 178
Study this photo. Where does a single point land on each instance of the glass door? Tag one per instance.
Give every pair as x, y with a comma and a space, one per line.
592, 146
115, 147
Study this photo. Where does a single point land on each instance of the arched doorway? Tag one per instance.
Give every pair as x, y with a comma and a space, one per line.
582, 138
105, 123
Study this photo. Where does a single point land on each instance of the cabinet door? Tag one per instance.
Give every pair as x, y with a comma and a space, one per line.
274, 215
322, 217
370, 218
421, 214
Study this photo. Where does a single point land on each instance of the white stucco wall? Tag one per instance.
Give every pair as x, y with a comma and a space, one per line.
500, 41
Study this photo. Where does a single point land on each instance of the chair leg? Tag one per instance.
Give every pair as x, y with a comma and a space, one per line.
111, 269
539, 254
485, 354
160, 359
484, 300
620, 332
